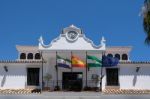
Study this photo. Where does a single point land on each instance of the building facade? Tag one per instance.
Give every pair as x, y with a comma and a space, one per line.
34, 63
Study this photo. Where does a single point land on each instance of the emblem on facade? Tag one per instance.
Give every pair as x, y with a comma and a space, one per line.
72, 36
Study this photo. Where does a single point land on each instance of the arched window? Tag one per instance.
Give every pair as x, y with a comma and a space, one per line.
124, 57
37, 56
117, 56
110, 55
22, 56
30, 56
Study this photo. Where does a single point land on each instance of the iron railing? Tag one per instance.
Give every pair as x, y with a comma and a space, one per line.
82, 83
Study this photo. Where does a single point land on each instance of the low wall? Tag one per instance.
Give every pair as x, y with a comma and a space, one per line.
130, 79
15, 78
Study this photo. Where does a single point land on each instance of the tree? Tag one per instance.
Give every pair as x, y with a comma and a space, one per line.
146, 20
47, 78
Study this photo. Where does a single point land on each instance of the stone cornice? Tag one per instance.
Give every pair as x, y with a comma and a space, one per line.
118, 49
26, 48
134, 62
22, 61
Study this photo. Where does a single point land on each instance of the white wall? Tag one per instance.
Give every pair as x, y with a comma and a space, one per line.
130, 79
49, 67
15, 77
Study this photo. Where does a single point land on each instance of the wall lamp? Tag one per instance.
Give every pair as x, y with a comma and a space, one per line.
6, 68
137, 68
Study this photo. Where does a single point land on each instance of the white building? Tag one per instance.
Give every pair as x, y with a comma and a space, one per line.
29, 69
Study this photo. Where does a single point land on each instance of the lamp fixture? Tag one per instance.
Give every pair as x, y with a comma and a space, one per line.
6, 68
137, 68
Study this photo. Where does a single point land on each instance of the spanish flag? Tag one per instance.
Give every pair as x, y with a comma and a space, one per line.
77, 62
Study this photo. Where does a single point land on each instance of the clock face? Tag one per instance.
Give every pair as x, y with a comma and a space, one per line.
72, 35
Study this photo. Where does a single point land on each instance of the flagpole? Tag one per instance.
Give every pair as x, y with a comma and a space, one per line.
86, 69
101, 72
42, 70
71, 71
56, 71
71, 62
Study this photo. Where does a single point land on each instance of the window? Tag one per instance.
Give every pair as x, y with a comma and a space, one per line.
22, 56
124, 57
117, 56
30, 56
37, 56
110, 55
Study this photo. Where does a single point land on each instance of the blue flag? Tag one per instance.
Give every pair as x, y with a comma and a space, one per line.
109, 61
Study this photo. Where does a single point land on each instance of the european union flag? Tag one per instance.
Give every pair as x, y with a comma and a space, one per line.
109, 61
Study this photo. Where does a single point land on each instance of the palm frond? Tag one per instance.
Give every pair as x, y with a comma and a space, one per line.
146, 21
147, 40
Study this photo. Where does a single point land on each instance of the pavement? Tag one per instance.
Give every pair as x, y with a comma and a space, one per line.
126, 91
74, 95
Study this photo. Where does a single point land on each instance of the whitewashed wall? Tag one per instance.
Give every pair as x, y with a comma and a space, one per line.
49, 67
104, 79
15, 77
130, 79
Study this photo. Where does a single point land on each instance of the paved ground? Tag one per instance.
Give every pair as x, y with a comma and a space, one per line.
73, 95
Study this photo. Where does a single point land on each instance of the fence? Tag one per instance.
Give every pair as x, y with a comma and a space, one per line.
62, 84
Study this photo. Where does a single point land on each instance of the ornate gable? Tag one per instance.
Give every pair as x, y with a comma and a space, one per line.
71, 38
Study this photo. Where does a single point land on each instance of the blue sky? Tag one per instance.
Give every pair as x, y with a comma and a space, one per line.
22, 22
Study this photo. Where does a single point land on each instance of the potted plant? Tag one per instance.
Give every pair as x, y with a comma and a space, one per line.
96, 78
47, 78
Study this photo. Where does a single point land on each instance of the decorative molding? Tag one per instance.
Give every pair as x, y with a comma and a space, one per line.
102, 44
134, 62
79, 36
41, 42
92, 44
72, 39
22, 61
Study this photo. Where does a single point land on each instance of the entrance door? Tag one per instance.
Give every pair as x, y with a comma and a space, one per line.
33, 76
112, 76
72, 81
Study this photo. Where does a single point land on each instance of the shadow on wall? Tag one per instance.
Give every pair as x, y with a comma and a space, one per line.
135, 76
13, 72
134, 79
3, 80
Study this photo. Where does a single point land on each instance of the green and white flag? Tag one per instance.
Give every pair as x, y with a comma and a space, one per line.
62, 62
93, 61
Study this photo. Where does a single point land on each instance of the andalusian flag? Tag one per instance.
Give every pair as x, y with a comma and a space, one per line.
93, 61
77, 62
62, 62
